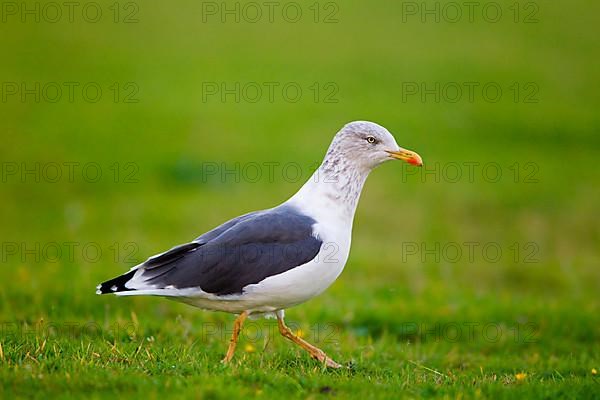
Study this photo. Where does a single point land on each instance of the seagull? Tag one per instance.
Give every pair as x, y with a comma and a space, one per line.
263, 262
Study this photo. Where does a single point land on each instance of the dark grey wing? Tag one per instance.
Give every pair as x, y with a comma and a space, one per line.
179, 251
241, 252
161, 264
169, 256
208, 236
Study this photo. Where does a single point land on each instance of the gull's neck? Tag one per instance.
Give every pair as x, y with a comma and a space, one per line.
333, 190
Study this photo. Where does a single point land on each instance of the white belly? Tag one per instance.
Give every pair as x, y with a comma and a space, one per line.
298, 284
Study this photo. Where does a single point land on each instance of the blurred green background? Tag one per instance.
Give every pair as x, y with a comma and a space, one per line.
164, 115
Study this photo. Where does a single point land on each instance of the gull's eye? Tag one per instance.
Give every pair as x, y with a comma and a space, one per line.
371, 139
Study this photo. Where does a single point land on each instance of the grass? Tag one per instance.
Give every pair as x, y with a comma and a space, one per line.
410, 317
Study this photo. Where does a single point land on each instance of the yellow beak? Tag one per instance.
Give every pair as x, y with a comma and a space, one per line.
406, 155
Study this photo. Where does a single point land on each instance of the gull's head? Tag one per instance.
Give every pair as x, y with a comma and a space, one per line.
368, 145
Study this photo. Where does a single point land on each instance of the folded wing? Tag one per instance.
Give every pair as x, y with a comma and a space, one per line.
243, 251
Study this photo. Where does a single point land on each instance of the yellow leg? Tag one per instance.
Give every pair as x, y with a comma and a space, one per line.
315, 352
237, 327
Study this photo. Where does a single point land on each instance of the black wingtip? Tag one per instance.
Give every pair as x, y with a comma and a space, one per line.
115, 285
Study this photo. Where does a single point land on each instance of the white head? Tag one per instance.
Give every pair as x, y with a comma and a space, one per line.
367, 145
355, 150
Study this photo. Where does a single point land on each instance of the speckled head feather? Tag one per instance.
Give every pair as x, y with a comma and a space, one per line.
362, 144
355, 151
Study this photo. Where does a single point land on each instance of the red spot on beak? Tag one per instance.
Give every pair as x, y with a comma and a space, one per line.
414, 161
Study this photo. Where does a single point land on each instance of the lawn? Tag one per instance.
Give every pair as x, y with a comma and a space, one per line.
131, 127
